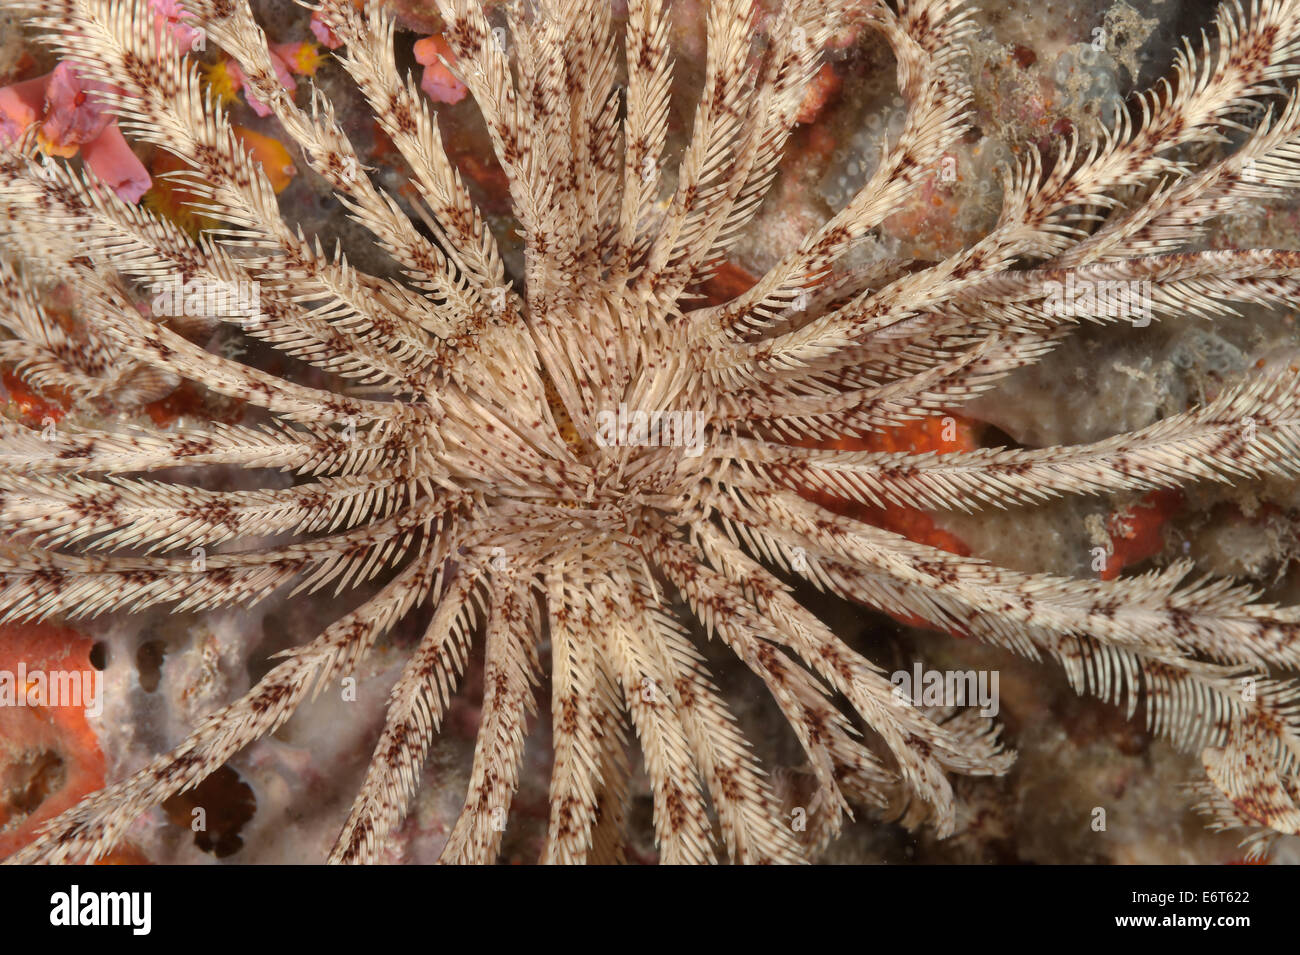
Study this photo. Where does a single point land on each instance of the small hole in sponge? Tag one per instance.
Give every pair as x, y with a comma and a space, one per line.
149, 661
216, 810
31, 779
